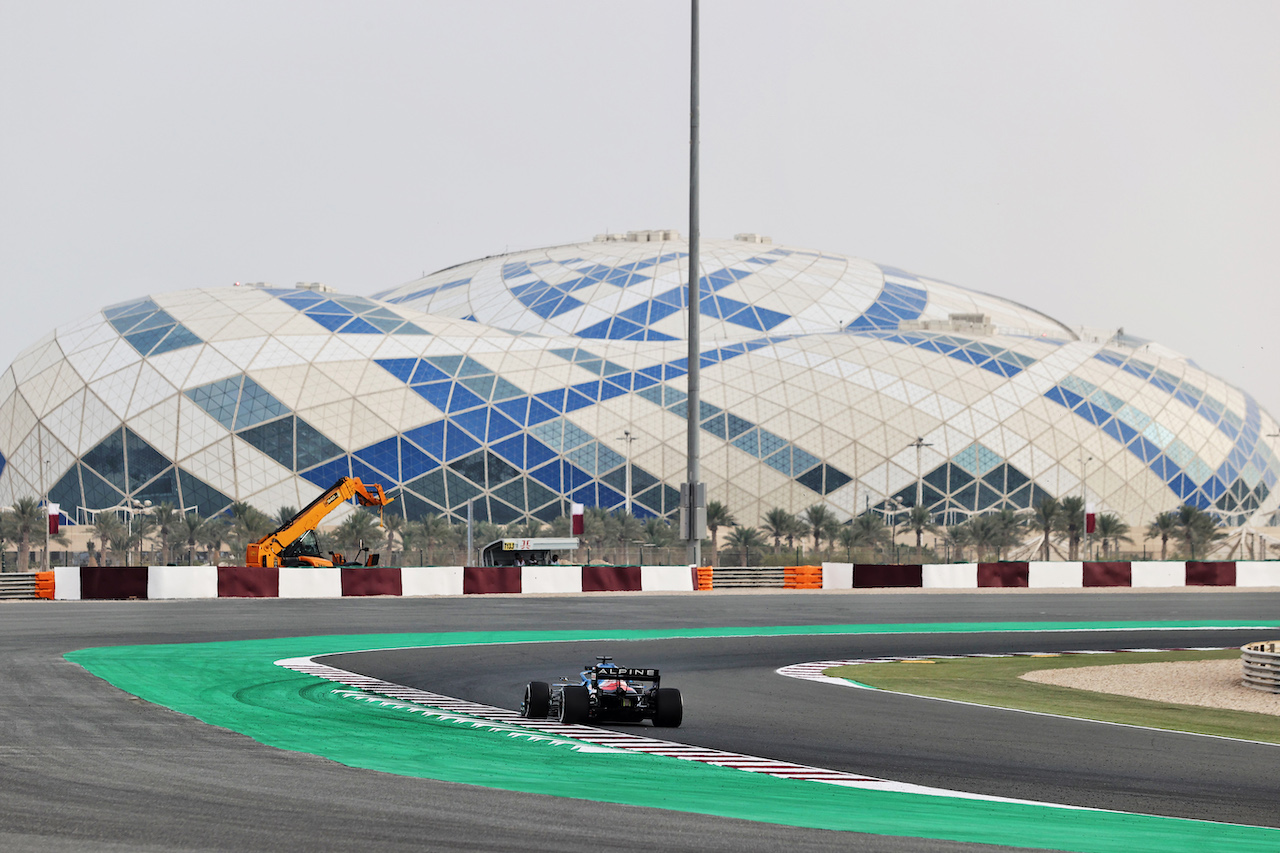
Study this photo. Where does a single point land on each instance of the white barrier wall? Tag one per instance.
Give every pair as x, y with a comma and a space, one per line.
181, 582
431, 580
551, 579
837, 575
307, 582
1250, 573
1055, 575
66, 583
1159, 574
949, 576
666, 578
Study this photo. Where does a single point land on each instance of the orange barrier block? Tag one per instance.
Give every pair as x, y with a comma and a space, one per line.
802, 577
704, 577
44, 585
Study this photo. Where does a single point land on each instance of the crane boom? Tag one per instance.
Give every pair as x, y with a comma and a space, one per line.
294, 542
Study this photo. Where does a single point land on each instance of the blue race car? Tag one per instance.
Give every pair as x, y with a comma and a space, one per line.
605, 692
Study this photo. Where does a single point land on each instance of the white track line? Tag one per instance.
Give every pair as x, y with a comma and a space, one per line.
630, 742
813, 670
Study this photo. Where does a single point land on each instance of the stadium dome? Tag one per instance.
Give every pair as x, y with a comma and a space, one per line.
526, 380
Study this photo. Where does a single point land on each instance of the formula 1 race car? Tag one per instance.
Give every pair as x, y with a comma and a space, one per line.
605, 692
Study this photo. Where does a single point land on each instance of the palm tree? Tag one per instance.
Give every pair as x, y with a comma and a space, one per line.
248, 524
797, 530
284, 515
960, 537
27, 518
658, 532
595, 525
1163, 527
529, 528
359, 528
743, 539
136, 534
106, 529
625, 529
168, 520
718, 516
1071, 522
1010, 528
1045, 519
6, 534
393, 523
822, 524
214, 532
777, 522
437, 531
1196, 527
919, 519
866, 531
1111, 529
992, 533
190, 530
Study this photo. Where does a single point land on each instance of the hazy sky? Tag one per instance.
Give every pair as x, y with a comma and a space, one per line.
1109, 163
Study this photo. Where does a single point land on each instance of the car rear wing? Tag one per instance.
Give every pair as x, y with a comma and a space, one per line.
627, 673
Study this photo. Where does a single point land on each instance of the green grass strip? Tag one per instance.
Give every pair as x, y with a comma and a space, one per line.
237, 686
998, 682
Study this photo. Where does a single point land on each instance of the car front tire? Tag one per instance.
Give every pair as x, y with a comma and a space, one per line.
537, 699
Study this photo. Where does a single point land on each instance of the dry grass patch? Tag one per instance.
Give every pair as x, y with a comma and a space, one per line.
997, 682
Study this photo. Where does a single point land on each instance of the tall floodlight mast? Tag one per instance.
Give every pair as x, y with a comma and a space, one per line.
693, 496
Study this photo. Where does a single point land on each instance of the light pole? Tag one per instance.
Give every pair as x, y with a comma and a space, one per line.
1084, 499
44, 476
628, 438
693, 497
919, 444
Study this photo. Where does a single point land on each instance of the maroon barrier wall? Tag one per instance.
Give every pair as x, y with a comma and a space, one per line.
1108, 574
610, 578
248, 582
378, 580
478, 580
870, 575
1003, 574
113, 582
1211, 574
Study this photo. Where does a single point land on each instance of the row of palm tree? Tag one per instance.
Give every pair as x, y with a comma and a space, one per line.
990, 535
25, 524
187, 537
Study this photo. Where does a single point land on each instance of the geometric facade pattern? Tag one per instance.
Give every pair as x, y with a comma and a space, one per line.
511, 384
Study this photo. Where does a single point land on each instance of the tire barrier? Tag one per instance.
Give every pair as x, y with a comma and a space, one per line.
1260, 663
21, 584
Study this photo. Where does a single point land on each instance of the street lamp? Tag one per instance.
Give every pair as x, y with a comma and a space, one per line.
628, 438
919, 444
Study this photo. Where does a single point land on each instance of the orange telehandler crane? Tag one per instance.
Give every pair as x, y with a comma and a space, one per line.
294, 542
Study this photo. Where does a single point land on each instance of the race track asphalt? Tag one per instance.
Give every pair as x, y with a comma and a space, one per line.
84, 766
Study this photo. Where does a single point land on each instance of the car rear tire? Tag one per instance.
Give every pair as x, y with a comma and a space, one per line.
574, 705
670, 708
537, 699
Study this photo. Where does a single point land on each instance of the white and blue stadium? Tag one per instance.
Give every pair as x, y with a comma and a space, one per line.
520, 382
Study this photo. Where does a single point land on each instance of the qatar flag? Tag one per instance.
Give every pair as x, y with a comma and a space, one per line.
55, 513
1090, 522
575, 512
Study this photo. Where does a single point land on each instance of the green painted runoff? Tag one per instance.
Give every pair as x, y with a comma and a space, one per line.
236, 685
